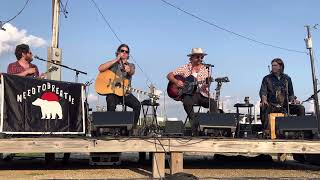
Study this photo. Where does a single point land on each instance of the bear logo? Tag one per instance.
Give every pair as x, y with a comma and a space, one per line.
49, 105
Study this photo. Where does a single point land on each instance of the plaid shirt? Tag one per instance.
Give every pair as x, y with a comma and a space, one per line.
16, 68
186, 70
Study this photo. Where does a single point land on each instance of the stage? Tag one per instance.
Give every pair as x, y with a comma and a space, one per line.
159, 146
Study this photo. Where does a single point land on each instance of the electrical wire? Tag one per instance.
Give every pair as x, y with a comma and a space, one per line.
2, 23
230, 31
118, 38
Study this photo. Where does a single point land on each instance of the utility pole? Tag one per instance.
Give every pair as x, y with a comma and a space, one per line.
54, 52
308, 41
54, 55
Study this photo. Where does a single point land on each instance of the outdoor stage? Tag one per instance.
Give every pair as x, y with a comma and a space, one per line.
159, 146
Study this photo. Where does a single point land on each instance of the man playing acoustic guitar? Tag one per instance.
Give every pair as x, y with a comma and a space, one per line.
197, 71
121, 68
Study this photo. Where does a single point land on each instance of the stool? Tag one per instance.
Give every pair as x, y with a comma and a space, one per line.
272, 123
146, 104
249, 115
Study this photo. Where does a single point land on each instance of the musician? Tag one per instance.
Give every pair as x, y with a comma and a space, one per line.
122, 68
200, 97
23, 66
277, 94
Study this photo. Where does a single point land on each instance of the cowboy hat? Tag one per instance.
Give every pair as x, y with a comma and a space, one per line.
196, 51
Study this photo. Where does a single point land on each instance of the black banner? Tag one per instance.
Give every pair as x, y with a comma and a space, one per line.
34, 106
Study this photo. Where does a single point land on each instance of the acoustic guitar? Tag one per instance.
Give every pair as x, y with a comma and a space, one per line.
190, 86
108, 82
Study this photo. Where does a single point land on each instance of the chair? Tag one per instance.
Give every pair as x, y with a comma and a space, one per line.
272, 123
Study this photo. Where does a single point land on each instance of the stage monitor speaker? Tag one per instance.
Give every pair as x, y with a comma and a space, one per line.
113, 119
173, 128
296, 124
216, 121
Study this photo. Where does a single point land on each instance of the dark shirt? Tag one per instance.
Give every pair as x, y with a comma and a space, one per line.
16, 68
116, 68
276, 89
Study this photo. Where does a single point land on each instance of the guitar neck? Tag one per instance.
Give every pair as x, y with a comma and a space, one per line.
51, 69
138, 91
47, 72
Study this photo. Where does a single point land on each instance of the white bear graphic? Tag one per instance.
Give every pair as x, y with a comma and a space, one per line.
49, 109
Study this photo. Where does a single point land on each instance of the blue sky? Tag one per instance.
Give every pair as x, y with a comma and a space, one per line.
160, 37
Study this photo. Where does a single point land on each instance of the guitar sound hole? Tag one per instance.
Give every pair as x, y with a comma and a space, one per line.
117, 84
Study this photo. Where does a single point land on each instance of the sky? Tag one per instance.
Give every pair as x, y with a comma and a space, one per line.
160, 37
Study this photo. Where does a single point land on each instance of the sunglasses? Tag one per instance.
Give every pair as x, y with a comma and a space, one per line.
198, 57
124, 51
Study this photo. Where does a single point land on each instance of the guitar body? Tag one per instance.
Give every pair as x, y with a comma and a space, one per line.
108, 82
176, 92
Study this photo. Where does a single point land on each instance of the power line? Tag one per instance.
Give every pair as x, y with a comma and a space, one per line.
64, 9
117, 37
67, 4
2, 23
231, 32
106, 21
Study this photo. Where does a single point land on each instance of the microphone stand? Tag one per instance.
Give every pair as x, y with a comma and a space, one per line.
287, 89
123, 88
209, 67
61, 65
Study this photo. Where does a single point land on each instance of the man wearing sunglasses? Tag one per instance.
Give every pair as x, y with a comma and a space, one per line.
194, 68
23, 65
122, 68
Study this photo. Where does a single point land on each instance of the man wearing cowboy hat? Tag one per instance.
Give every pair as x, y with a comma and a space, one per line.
196, 69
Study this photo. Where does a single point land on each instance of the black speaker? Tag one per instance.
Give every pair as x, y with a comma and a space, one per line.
113, 119
173, 128
296, 126
221, 124
216, 120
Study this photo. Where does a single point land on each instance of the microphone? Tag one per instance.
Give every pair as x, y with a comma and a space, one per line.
208, 65
39, 58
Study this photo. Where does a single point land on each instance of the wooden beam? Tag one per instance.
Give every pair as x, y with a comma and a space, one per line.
56, 145
245, 146
158, 165
176, 163
80, 145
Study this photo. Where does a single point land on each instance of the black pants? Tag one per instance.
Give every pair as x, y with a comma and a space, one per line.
266, 110
198, 99
129, 100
